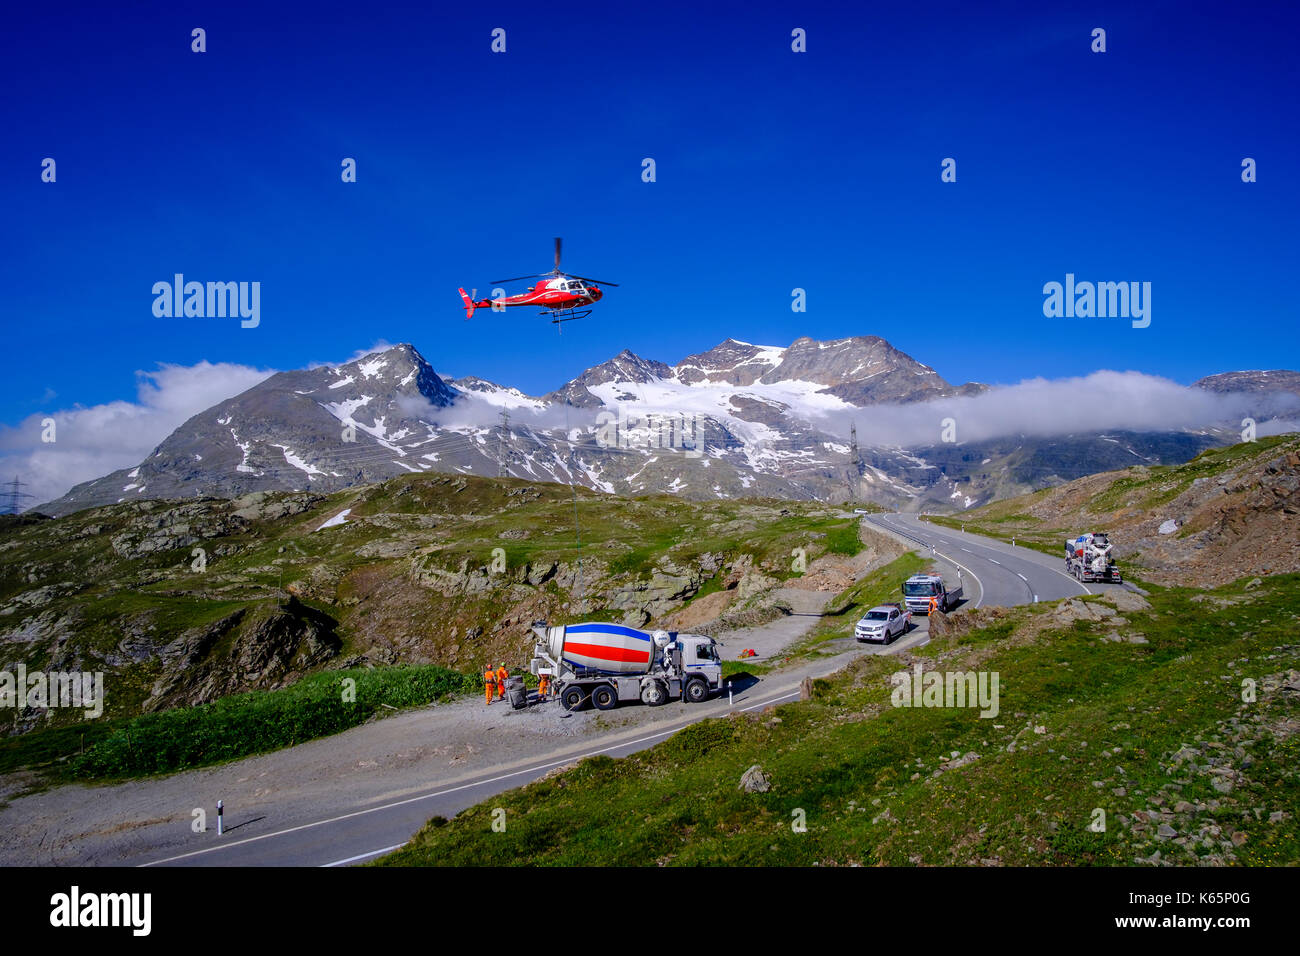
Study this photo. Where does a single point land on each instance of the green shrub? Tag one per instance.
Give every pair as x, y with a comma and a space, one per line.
257, 722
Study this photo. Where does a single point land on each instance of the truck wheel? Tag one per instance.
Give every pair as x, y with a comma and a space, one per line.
697, 691
603, 696
653, 694
573, 698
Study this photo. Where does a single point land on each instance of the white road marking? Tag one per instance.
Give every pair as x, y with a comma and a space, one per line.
1085, 587
439, 793
1014, 547
954, 561
362, 856
1022, 577
994, 561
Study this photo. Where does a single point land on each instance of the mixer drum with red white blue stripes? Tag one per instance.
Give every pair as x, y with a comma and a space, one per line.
612, 648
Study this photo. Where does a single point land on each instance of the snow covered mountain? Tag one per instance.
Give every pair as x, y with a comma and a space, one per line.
737, 420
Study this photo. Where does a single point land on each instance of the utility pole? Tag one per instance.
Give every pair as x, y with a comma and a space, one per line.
502, 443
11, 499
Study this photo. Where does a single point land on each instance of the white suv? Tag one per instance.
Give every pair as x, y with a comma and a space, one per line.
883, 623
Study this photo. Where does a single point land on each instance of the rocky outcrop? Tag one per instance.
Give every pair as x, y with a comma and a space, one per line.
643, 600
163, 528
261, 647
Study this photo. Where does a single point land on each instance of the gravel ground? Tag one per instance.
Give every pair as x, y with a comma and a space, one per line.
769, 638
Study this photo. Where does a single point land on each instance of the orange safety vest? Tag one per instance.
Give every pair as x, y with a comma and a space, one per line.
490, 676
502, 674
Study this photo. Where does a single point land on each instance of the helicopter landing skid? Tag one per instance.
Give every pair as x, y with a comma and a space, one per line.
567, 316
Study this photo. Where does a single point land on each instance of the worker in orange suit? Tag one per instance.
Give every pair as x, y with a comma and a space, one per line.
502, 674
543, 686
934, 603
490, 682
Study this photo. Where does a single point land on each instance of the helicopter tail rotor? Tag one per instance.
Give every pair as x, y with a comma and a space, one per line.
469, 305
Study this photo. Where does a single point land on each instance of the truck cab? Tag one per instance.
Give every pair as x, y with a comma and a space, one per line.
691, 658
920, 588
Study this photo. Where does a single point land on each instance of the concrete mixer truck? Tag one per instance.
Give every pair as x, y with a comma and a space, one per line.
606, 664
1088, 558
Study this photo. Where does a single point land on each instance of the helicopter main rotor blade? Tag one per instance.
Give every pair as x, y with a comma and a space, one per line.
598, 281
558, 240
538, 275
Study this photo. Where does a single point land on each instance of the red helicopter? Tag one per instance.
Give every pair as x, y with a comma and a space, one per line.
562, 296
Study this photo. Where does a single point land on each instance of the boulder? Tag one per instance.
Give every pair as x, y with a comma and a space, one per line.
754, 780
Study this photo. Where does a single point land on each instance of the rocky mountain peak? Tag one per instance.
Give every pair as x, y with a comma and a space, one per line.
397, 370
755, 417
733, 362
626, 366
1273, 380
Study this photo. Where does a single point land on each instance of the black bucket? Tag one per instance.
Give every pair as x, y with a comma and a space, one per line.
517, 693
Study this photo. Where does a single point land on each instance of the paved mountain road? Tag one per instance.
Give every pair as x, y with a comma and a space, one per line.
1006, 575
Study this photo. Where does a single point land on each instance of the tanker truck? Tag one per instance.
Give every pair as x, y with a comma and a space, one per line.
1088, 558
606, 664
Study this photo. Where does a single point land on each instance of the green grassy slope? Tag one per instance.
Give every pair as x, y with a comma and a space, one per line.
1132, 492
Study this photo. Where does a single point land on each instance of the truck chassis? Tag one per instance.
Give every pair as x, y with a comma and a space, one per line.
1081, 572
607, 691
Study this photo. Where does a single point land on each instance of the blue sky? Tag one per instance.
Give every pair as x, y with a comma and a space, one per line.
775, 170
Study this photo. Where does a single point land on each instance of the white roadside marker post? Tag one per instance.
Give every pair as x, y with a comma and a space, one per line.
729, 700
220, 810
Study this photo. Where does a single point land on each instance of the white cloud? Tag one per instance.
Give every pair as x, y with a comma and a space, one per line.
96, 440
1101, 401
381, 345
